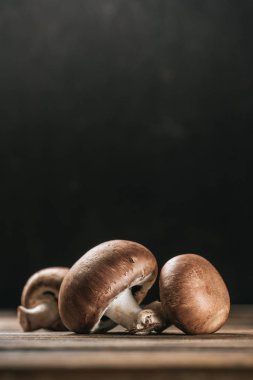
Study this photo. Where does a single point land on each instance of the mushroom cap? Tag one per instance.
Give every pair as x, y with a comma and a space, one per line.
193, 294
43, 286
99, 276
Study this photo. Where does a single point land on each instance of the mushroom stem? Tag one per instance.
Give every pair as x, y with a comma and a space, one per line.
125, 311
40, 316
164, 322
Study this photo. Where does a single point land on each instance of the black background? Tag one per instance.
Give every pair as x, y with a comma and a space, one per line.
126, 119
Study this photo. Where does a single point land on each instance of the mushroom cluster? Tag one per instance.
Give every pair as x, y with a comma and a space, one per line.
108, 284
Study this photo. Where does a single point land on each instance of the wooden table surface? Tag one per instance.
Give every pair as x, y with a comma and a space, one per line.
227, 354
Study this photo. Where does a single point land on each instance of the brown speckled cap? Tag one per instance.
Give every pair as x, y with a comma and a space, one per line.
41, 286
193, 294
99, 276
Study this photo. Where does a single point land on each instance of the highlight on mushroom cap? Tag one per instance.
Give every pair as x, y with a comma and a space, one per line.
193, 294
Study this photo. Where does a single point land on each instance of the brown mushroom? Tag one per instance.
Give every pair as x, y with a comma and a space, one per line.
39, 300
193, 294
99, 284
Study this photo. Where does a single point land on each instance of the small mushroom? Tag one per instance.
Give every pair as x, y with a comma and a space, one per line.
193, 294
39, 300
99, 284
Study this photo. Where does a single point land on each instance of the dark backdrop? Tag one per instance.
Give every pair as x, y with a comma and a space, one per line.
126, 119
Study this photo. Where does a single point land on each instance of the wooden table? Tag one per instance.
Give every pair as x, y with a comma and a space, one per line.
227, 354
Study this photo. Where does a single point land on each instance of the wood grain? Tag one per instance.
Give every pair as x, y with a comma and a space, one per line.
228, 354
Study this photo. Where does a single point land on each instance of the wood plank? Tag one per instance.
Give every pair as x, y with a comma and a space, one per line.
123, 360
115, 341
227, 354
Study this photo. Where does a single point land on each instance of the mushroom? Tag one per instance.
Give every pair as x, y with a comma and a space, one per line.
110, 280
39, 300
193, 294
